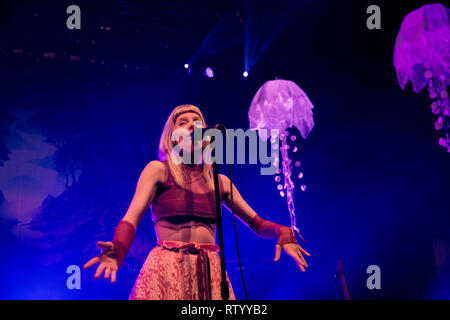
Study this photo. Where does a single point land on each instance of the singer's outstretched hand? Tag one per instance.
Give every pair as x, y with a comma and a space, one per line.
107, 259
295, 251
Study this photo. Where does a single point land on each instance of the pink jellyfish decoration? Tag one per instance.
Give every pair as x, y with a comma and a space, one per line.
282, 104
422, 55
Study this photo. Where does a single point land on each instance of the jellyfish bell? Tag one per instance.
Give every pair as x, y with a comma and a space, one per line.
422, 56
419, 53
282, 104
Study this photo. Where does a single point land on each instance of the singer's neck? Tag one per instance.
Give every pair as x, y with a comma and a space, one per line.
190, 155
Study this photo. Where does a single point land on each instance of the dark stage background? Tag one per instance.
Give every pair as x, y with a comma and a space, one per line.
75, 135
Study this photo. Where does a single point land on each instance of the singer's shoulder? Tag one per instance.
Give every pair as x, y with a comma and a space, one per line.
155, 169
225, 183
224, 178
157, 164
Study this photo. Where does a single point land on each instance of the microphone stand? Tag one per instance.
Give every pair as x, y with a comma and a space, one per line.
223, 284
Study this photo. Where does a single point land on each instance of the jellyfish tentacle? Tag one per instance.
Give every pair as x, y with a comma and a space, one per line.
288, 184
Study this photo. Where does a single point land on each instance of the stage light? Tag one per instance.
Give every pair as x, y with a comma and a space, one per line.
209, 72
245, 74
186, 66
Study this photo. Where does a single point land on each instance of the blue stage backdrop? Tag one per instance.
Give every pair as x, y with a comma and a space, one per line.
75, 136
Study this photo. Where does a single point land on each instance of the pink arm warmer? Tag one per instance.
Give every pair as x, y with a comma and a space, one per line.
123, 238
268, 229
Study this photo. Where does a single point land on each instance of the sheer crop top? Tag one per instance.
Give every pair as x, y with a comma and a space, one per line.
196, 200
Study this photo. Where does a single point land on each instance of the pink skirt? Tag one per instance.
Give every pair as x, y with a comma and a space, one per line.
176, 270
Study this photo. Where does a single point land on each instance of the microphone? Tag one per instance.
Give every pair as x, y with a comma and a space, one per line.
202, 136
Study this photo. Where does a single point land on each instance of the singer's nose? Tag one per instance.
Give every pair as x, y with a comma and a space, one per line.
191, 127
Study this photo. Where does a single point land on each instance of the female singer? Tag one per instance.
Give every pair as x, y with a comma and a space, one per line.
185, 264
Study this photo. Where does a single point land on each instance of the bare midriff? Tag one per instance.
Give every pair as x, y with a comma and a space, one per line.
186, 229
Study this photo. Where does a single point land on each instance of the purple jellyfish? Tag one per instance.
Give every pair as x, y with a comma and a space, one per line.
422, 55
281, 104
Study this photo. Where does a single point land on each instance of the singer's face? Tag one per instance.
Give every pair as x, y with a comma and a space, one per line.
188, 121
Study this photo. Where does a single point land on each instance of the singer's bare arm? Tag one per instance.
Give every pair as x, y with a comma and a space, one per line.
153, 174
242, 210
246, 214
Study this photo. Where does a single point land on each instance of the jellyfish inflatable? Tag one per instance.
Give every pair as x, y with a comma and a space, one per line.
422, 55
281, 104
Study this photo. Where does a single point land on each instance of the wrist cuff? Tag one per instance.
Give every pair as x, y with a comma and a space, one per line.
286, 236
123, 238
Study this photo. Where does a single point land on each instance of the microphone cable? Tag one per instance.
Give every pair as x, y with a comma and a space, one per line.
236, 233
223, 128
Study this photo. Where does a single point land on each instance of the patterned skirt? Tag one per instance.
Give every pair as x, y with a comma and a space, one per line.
176, 270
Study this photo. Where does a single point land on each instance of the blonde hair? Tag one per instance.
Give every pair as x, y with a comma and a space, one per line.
166, 146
